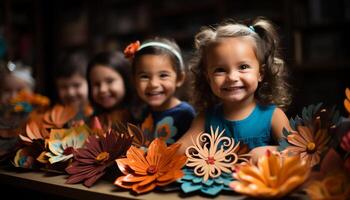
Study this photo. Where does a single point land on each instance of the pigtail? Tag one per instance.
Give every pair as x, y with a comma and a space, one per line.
274, 89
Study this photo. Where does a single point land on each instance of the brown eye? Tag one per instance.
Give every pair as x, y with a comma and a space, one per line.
242, 67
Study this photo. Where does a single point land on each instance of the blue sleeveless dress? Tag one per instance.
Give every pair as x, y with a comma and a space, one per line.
255, 130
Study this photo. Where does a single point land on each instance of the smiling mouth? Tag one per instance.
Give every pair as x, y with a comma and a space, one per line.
232, 89
151, 94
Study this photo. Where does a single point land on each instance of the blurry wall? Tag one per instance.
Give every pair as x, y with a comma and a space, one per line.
313, 34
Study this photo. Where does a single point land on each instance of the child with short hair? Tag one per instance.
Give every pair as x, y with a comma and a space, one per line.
71, 83
239, 84
158, 70
110, 90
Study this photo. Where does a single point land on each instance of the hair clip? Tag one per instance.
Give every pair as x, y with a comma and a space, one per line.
131, 49
251, 28
11, 66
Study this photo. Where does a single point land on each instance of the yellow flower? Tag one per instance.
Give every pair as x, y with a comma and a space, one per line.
274, 176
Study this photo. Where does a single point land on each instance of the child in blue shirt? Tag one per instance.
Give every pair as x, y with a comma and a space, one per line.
158, 70
239, 84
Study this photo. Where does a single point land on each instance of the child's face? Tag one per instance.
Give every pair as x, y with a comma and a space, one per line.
108, 87
73, 90
233, 70
156, 81
11, 86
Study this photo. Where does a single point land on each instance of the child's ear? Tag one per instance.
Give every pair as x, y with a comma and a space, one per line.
180, 79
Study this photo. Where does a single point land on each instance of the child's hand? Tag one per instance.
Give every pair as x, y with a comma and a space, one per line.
258, 152
345, 142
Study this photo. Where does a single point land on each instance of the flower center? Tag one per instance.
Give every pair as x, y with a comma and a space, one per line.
210, 160
311, 147
152, 169
102, 157
68, 151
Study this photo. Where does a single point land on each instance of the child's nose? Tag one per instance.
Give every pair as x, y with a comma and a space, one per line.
103, 87
71, 91
153, 82
233, 76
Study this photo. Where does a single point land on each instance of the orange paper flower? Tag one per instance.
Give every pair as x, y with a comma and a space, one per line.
274, 176
333, 186
58, 116
131, 49
347, 100
160, 166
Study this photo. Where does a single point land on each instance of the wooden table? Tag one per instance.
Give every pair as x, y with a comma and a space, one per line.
55, 184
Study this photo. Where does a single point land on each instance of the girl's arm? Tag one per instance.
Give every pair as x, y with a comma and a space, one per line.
197, 127
278, 122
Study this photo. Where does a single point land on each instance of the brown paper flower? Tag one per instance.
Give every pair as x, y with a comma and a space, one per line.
98, 153
308, 144
160, 166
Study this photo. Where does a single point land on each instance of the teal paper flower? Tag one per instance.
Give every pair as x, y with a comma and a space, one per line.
190, 182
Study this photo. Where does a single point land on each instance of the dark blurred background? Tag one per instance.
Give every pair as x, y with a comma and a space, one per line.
314, 34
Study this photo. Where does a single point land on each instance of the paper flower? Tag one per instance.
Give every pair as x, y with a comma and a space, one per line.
190, 182
345, 141
139, 139
131, 49
58, 116
143, 171
164, 129
26, 156
311, 134
64, 142
274, 176
30, 98
309, 145
34, 131
210, 162
98, 153
347, 100
333, 186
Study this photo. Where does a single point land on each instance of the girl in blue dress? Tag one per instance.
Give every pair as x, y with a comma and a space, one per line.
239, 84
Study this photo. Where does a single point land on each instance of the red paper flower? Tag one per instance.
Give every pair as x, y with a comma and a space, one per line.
131, 49
91, 161
160, 166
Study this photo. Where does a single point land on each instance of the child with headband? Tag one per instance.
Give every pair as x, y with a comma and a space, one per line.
239, 84
158, 70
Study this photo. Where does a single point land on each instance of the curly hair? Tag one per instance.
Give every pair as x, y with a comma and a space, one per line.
272, 89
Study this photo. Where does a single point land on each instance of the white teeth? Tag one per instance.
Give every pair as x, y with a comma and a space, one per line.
154, 93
